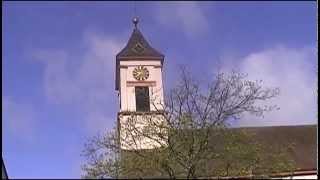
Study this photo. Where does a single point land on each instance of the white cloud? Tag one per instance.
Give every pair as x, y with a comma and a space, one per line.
59, 85
184, 16
18, 120
86, 83
294, 72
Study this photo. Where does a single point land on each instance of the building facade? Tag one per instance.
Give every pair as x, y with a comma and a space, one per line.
140, 90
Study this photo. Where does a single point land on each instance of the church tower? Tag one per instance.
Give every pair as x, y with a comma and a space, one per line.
139, 85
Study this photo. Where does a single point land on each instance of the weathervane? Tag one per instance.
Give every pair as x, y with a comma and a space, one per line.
135, 19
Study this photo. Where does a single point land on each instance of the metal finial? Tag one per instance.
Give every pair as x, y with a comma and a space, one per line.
135, 21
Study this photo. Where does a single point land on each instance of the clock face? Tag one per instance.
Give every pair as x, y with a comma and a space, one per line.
140, 73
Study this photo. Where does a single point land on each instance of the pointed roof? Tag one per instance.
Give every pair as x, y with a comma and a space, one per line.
137, 48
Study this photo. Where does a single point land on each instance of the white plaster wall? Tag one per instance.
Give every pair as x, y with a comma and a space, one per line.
139, 63
123, 89
156, 93
127, 93
131, 99
299, 177
142, 142
128, 101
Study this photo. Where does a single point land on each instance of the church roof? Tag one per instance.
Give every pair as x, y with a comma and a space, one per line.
137, 48
303, 154
303, 138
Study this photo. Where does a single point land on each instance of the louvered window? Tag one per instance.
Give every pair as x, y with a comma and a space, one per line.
142, 99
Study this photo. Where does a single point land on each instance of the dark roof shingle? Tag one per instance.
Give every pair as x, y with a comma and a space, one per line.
138, 46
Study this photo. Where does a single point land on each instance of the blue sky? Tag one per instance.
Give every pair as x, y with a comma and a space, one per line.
58, 65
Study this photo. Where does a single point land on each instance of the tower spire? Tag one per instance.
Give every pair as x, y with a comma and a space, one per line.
135, 21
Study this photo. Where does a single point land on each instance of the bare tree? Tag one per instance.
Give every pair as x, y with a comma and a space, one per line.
188, 134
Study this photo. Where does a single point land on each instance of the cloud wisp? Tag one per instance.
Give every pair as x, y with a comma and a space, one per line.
294, 72
88, 86
187, 17
18, 119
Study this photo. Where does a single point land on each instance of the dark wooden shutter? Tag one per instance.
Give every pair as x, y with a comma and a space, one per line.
142, 99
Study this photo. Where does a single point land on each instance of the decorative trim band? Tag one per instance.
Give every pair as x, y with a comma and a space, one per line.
139, 58
141, 83
140, 113
124, 66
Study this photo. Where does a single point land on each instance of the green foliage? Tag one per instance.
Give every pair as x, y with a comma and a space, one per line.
193, 136
230, 152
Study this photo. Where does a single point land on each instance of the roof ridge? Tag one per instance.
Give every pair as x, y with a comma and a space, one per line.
138, 46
